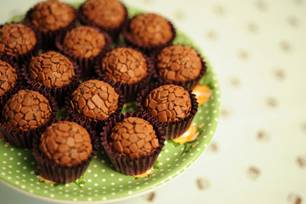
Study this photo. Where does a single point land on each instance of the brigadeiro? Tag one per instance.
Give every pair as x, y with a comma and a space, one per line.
132, 142
149, 32
25, 115
93, 102
128, 68
84, 44
109, 15
180, 64
172, 105
52, 73
49, 18
63, 152
8, 82
18, 42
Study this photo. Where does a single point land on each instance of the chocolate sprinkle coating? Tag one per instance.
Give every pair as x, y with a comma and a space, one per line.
95, 99
8, 77
84, 41
125, 65
179, 63
27, 110
16, 39
150, 30
52, 15
108, 14
66, 143
134, 137
52, 69
168, 103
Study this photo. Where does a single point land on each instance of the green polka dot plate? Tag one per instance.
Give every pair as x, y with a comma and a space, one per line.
100, 182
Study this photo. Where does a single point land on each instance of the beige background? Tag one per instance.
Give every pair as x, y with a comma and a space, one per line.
258, 50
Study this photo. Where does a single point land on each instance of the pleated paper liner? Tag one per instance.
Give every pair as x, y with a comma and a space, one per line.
129, 91
24, 139
149, 50
86, 65
189, 84
48, 38
51, 171
22, 58
123, 163
58, 93
172, 129
114, 33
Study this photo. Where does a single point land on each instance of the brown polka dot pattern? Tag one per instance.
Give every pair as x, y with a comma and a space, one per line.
16, 39
108, 14
66, 143
253, 172
8, 77
95, 99
27, 110
84, 42
179, 63
52, 69
150, 30
169, 103
212, 35
243, 54
295, 198
52, 15
285, 46
234, 81
301, 161
134, 137
262, 135
214, 147
202, 183
125, 65
280, 74
271, 102
151, 197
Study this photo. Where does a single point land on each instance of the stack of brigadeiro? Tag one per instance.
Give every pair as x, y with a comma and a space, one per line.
66, 73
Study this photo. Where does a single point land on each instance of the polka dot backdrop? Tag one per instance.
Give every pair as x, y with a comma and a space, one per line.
258, 153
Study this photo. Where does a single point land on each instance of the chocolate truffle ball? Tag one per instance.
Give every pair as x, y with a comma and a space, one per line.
16, 39
8, 77
51, 69
150, 30
108, 14
169, 103
95, 99
125, 65
52, 15
134, 137
179, 63
27, 110
84, 42
66, 143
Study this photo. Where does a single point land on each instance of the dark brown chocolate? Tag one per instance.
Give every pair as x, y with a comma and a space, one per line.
66, 143
134, 137
107, 14
168, 103
95, 99
84, 42
178, 63
52, 69
125, 65
16, 39
27, 110
52, 15
8, 77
